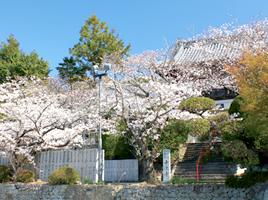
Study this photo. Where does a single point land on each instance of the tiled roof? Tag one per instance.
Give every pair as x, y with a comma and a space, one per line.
188, 52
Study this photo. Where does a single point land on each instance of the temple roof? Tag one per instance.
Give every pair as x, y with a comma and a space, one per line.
207, 50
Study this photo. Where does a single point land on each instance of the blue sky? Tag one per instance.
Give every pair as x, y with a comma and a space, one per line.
51, 27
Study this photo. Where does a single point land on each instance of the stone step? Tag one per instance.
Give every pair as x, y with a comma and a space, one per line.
214, 169
205, 170
205, 177
213, 164
202, 172
189, 169
195, 159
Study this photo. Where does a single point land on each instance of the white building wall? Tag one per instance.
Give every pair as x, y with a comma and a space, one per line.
224, 103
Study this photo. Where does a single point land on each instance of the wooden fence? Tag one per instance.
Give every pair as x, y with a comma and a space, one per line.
123, 170
84, 161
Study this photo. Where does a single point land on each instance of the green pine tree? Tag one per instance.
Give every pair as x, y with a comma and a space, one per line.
15, 62
96, 43
70, 72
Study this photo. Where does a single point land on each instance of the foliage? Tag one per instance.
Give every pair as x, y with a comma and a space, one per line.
173, 135
64, 175
225, 126
208, 155
97, 43
197, 105
178, 180
238, 152
88, 181
100, 183
69, 71
198, 126
235, 106
251, 74
218, 122
233, 181
5, 173
15, 62
26, 176
116, 147
219, 126
246, 180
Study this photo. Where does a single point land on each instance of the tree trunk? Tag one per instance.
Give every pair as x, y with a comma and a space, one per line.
146, 168
18, 164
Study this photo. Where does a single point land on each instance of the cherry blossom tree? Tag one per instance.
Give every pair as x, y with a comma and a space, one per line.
43, 115
143, 102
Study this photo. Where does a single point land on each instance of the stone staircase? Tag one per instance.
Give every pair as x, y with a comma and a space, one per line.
215, 170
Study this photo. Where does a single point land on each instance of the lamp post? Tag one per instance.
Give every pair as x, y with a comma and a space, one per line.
95, 69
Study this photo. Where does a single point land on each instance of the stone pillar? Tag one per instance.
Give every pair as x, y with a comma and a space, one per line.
166, 165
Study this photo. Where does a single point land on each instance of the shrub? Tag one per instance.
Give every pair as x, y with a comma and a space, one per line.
26, 176
232, 181
5, 173
246, 180
116, 147
64, 175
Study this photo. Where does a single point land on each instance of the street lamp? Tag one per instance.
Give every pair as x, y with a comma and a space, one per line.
95, 69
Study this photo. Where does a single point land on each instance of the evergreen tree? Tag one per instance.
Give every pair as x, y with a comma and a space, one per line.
15, 62
70, 72
97, 44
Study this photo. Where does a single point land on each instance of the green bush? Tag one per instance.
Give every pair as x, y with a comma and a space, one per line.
26, 176
64, 175
116, 147
246, 180
173, 135
197, 104
5, 173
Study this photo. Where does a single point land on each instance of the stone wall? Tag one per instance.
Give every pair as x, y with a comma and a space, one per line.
21, 191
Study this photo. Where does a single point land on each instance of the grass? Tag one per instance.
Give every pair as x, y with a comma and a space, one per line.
179, 180
100, 183
88, 181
